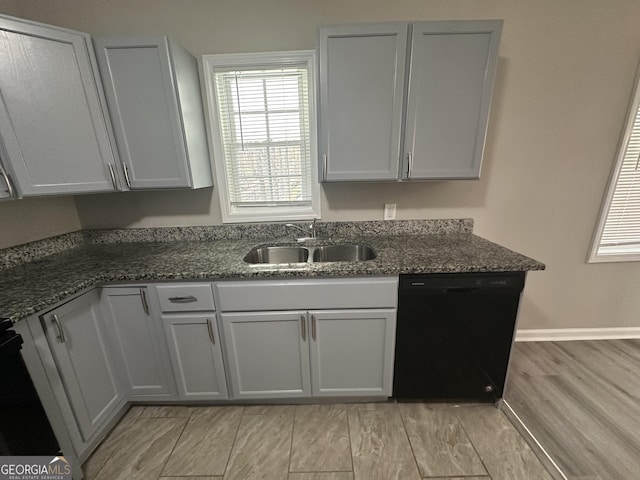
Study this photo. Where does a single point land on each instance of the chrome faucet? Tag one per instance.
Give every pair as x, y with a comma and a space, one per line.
311, 231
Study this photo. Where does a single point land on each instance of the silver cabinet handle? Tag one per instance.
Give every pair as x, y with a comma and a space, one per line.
113, 176
313, 327
324, 166
187, 299
7, 180
126, 174
145, 304
303, 327
409, 164
210, 328
56, 321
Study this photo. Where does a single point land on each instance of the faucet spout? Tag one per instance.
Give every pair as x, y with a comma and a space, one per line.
310, 233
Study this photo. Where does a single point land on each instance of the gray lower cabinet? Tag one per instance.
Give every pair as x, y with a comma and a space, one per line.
139, 347
54, 134
195, 351
80, 346
153, 92
352, 352
327, 353
267, 354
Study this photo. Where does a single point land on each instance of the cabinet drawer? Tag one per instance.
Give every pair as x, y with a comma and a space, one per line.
306, 294
186, 297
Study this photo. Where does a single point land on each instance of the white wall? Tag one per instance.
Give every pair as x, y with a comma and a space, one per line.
564, 80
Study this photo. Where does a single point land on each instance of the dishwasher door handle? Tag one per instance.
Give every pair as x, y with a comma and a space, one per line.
459, 290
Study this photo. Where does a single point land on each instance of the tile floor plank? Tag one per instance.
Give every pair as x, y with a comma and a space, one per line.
440, 444
190, 478
269, 410
320, 439
262, 448
141, 455
503, 451
162, 411
380, 447
111, 443
322, 476
205, 444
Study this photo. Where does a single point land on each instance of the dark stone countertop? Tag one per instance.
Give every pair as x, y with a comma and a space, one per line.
34, 286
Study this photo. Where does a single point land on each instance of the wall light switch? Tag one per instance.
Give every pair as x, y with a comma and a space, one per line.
389, 211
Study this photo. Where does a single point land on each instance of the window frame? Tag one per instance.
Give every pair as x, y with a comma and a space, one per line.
235, 214
594, 256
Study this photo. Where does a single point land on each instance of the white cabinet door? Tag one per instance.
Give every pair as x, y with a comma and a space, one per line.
452, 69
137, 337
362, 71
153, 91
267, 354
352, 352
52, 116
194, 348
77, 338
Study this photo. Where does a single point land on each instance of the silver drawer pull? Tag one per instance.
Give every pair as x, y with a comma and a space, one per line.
188, 299
210, 329
56, 322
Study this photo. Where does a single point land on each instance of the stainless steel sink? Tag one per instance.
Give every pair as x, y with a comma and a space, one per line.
277, 255
343, 253
298, 254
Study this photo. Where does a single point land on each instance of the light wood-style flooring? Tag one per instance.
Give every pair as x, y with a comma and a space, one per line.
581, 400
367, 441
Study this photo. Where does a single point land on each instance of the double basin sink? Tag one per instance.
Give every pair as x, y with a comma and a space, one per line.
311, 254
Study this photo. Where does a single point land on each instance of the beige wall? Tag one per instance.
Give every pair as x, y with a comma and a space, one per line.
32, 219
564, 79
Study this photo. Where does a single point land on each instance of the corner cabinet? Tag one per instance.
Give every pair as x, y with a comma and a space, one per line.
153, 92
139, 347
405, 101
79, 344
54, 136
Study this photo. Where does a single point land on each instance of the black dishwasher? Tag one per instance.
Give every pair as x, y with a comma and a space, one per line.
454, 335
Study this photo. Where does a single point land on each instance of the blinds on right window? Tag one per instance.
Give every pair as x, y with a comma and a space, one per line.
617, 236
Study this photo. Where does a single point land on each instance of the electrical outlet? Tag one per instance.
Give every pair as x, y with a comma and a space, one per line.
389, 211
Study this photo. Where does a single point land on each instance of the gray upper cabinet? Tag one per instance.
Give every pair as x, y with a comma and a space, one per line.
53, 130
452, 69
386, 114
153, 92
362, 70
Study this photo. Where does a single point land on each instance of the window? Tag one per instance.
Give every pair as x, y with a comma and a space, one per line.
262, 114
617, 236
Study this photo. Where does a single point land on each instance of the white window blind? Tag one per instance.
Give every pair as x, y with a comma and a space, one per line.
262, 115
618, 234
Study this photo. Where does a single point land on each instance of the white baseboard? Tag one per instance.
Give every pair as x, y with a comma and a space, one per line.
566, 334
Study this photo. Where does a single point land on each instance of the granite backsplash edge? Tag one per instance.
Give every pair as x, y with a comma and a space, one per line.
19, 254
